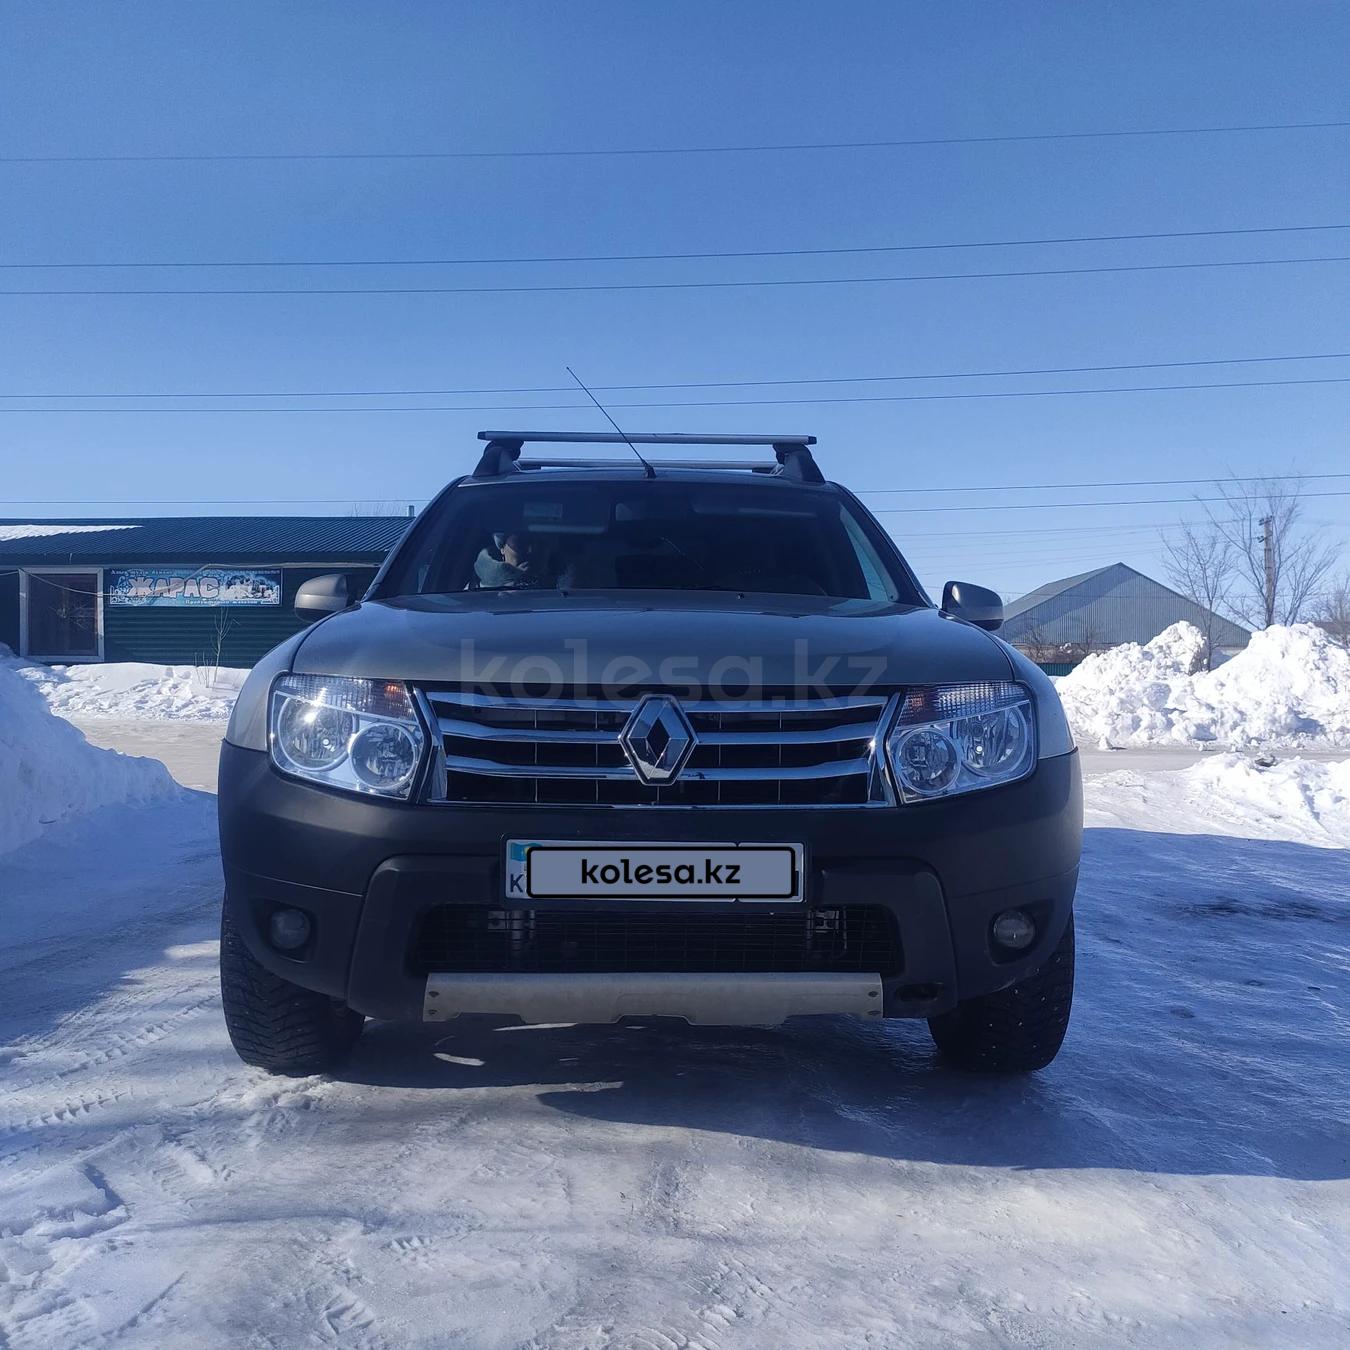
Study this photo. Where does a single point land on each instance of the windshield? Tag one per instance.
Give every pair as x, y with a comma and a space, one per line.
647, 535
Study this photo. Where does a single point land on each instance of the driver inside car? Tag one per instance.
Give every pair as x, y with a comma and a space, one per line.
508, 563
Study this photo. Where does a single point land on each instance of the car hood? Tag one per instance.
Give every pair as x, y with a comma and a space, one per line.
644, 639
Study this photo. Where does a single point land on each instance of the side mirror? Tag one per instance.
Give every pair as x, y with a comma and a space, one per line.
974, 604
322, 595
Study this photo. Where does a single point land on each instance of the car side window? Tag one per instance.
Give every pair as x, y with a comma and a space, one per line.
869, 562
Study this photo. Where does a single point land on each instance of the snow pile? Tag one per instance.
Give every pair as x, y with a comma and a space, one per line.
1296, 798
49, 772
1290, 686
137, 689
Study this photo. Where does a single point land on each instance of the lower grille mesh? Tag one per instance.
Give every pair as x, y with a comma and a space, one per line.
476, 938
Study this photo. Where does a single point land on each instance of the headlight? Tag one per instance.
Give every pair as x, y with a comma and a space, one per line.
359, 735
951, 738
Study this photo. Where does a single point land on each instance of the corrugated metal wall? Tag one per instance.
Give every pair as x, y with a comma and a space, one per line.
174, 636
1118, 605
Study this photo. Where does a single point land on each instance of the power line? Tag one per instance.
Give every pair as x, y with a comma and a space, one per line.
191, 501
1002, 532
684, 257
709, 403
1102, 531
1120, 482
682, 285
883, 511
703, 384
1099, 530
861, 492
1061, 506
913, 142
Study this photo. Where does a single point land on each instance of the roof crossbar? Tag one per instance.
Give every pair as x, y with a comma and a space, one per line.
501, 455
641, 438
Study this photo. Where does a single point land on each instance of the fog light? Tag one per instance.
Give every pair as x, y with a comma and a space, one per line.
289, 929
1014, 929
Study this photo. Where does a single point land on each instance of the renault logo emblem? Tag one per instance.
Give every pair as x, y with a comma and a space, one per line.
658, 740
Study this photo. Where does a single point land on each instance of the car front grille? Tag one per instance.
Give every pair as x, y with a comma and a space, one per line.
480, 939
784, 752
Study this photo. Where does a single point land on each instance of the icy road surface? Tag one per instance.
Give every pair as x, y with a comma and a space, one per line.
1177, 1178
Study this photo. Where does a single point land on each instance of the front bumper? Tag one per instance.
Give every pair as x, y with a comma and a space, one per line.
367, 871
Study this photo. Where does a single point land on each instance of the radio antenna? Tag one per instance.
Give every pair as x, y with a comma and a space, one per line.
651, 473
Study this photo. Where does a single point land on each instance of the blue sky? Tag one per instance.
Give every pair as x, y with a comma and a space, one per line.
97, 79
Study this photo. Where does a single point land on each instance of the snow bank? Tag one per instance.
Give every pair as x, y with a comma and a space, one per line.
136, 689
1298, 798
1290, 687
50, 773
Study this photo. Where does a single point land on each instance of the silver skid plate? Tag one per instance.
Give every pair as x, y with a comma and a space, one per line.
707, 1000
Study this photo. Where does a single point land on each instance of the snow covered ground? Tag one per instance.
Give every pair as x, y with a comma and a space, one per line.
1179, 1177
134, 689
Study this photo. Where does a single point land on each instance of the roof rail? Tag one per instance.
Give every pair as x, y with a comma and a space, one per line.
501, 455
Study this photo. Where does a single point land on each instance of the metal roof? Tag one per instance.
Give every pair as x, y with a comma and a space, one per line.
1053, 588
1107, 606
177, 539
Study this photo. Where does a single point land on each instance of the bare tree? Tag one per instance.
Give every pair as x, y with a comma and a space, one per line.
1278, 562
1198, 560
1086, 636
1087, 639
208, 662
1035, 644
1332, 611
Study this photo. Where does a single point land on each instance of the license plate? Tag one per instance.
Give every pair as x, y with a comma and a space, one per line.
557, 870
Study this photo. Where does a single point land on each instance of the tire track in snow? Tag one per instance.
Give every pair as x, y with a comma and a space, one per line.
122, 1044
68, 1112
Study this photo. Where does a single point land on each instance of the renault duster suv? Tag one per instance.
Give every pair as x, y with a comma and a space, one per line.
611, 739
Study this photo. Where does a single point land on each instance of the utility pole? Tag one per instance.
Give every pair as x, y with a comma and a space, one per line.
1268, 540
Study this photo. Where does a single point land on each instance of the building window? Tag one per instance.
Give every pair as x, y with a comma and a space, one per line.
64, 611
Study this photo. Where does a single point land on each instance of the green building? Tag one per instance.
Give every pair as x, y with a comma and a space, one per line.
179, 590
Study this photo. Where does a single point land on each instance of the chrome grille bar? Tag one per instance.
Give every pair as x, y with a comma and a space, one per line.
465, 729
833, 769
766, 706
778, 752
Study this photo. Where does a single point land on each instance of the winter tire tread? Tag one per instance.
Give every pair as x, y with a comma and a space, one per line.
277, 1025
1018, 1029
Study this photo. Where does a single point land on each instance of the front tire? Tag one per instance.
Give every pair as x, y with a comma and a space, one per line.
1018, 1029
277, 1025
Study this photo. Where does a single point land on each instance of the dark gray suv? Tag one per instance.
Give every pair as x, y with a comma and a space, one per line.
617, 738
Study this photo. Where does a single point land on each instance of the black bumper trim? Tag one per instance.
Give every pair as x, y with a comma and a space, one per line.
366, 870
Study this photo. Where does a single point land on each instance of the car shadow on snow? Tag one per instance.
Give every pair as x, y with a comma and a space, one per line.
1207, 1038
